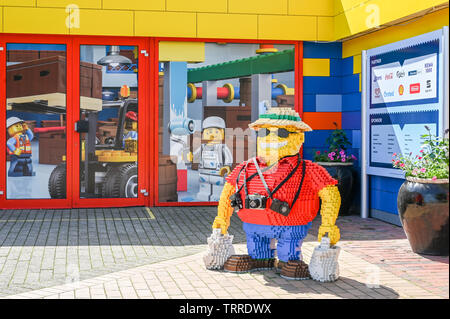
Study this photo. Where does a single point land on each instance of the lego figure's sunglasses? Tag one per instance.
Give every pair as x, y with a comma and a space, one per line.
281, 132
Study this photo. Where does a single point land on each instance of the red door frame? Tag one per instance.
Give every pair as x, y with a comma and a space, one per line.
143, 148
72, 138
298, 74
39, 39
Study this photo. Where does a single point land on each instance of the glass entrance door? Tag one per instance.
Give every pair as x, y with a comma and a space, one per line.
110, 125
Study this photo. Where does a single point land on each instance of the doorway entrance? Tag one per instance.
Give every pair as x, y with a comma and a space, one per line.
73, 122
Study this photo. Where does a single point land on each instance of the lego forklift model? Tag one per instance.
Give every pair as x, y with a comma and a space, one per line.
106, 170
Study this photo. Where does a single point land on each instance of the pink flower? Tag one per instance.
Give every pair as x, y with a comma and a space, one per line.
402, 165
420, 158
396, 162
414, 172
342, 152
318, 152
421, 151
332, 154
434, 178
423, 169
395, 154
353, 157
343, 159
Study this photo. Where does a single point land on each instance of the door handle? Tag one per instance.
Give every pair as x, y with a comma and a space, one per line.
82, 126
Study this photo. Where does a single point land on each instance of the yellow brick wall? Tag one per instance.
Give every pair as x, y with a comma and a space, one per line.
310, 20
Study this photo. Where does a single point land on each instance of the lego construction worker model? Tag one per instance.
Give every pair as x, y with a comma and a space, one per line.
276, 195
19, 147
214, 158
130, 128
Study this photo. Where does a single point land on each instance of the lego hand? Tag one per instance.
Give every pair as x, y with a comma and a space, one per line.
17, 152
333, 233
25, 126
220, 223
224, 171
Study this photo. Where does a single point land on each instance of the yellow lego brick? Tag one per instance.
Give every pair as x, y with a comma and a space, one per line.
325, 28
1, 20
316, 67
105, 22
287, 27
374, 13
428, 23
258, 6
18, 3
337, 7
214, 25
181, 51
197, 5
34, 20
357, 64
85, 4
165, 24
308, 7
159, 5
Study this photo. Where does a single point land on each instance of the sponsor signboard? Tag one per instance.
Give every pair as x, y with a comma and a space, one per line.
403, 93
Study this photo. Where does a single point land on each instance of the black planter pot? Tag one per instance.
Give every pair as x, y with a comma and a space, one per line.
423, 208
342, 172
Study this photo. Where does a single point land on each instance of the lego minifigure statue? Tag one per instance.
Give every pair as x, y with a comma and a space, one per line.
214, 158
19, 147
130, 130
276, 195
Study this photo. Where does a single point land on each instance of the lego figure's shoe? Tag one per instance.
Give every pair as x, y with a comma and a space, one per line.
239, 264
295, 270
244, 263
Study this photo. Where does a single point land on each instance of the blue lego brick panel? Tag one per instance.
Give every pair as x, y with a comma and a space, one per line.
350, 83
308, 153
351, 120
331, 50
351, 102
321, 85
384, 201
328, 102
386, 184
317, 139
347, 66
309, 102
356, 138
335, 67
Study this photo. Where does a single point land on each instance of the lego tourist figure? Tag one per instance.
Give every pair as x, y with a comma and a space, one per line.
19, 147
214, 158
130, 127
276, 195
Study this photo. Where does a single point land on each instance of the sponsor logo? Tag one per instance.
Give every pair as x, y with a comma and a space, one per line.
428, 67
388, 93
401, 89
428, 89
377, 92
400, 74
414, 88
414, 72
389, 76
376, 78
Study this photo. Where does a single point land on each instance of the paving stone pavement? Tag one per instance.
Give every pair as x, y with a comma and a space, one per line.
157, 253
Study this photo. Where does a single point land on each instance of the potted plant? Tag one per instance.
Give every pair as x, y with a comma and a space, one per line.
422, 199
338, 162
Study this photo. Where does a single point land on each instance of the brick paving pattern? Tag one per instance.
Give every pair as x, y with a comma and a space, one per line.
157, 253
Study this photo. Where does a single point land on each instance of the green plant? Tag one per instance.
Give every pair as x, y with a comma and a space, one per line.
337, 148
432, 161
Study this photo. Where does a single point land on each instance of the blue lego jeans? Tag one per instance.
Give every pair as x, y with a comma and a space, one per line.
290, 239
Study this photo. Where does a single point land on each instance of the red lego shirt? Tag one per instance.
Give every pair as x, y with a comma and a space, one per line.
307, 204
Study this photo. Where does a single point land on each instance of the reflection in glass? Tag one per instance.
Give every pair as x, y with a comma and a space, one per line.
35, 119
205, 106
109, 106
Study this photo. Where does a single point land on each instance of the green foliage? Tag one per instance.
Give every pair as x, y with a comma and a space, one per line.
337, 147
433, 161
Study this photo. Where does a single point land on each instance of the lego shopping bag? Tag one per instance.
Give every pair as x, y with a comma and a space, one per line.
324, 266
219, 250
